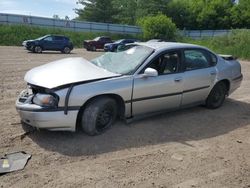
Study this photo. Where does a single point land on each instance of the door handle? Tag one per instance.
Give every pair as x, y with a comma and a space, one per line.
213, 73
178, 79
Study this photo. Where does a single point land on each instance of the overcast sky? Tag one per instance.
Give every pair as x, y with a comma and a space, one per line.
44, 8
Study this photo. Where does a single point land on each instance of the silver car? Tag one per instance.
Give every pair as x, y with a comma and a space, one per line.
151, 77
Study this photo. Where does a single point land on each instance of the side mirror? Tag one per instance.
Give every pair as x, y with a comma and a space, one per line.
150, 72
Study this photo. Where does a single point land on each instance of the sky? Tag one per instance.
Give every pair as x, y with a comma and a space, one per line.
44, 8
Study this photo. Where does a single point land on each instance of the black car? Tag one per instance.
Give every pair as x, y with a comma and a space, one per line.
49, 42
112, 47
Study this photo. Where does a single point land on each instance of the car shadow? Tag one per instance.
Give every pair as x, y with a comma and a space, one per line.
191, 124
51, 52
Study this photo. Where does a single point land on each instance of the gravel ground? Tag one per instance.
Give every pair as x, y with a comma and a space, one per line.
194, 147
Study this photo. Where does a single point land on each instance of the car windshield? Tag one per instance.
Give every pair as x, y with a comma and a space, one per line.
40, 38
124, 62
118, 41
96, 39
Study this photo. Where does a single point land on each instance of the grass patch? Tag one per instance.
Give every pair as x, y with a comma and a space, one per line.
236, 44
14, 35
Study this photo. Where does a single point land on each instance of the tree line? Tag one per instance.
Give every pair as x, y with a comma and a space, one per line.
186, 14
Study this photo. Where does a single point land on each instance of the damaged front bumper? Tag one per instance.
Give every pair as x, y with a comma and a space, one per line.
45, 118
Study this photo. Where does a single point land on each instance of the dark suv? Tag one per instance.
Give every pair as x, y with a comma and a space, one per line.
97, 43
49, 42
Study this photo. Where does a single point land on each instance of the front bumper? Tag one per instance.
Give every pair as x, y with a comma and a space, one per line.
46, 118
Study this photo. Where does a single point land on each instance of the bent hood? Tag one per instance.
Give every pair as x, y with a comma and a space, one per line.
66, 71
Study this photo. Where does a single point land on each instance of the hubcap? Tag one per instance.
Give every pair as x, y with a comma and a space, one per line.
218, 96
66, 50
104, 118
38, 49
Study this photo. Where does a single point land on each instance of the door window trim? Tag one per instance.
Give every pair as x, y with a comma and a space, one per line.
179, 69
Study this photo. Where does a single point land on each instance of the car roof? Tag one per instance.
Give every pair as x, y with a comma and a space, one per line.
52, 35
168, 45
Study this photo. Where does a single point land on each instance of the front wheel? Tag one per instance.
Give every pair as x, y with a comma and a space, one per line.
99, 115
93, 48
217, 96
37, 49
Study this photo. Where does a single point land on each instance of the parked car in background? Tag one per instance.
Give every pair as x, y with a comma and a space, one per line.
97, 43
156, 40
125, 47
112, 47
147, 78
49, 42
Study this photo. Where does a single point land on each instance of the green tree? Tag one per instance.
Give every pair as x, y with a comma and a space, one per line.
215, 14
181, 14
240, 14
96, 11
159, 26
126, 11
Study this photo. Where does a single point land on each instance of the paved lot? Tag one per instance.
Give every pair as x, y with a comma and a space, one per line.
195, 147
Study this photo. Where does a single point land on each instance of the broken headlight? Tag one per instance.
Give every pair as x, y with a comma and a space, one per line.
45, 100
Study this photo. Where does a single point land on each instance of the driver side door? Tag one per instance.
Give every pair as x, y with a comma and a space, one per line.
162, 92
48, 43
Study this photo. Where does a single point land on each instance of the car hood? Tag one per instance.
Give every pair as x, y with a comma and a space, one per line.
88, 41
29, 40
66, 71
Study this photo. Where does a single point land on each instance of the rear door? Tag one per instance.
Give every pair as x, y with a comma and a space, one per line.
162, 92
58, 42
199, 75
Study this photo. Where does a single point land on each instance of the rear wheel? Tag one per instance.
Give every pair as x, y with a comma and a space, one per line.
99, 116
66, 50
217, 96
37, 49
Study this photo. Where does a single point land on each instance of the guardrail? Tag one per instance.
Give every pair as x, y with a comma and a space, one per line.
72, 25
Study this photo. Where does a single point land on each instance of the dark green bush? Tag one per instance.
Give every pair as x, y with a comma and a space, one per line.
159, 26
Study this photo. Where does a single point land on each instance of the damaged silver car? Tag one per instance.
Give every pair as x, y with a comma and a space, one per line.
151, 77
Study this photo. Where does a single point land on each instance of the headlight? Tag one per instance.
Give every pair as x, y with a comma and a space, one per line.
45, 100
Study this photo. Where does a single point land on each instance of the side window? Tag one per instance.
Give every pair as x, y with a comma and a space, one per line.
167, 63
48, 39
58, 38
196, 59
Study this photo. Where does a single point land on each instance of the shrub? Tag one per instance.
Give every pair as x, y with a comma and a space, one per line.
159, 26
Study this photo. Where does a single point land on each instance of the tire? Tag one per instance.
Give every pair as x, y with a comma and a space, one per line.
99, 116
66, 50
93, 48
217, 96
37, 49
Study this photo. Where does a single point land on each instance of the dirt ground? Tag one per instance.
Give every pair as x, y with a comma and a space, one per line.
194, 147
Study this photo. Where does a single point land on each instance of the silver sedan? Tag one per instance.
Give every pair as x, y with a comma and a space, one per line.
150, 77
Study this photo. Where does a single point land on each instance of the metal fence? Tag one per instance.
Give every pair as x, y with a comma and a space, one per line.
71, 25
197, 34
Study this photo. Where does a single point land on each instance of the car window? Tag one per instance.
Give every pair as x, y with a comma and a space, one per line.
48, 39
58, 38
105, 39
167, 63
196, 59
